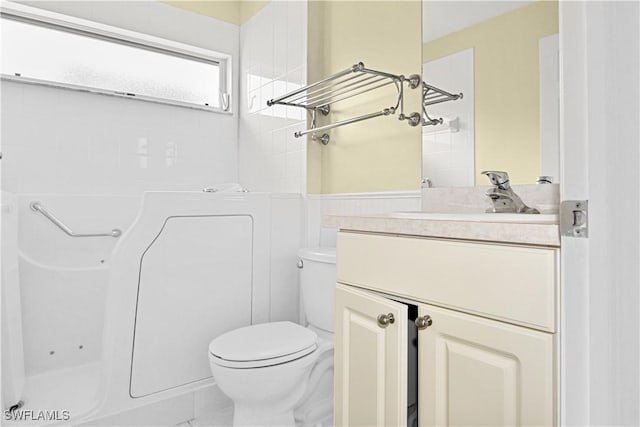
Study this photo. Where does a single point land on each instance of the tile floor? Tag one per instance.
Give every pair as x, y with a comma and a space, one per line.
221, 418
224, 418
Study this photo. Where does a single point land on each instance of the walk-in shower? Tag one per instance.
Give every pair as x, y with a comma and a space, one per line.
96, 323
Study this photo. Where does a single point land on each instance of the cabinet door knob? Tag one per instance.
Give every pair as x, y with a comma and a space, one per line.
385, 320
424, 322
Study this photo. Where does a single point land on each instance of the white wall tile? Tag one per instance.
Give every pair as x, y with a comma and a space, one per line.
88, 158
549, 107
296, 40
271, 66
448, 151
313, 209
77, 134
286, 239
107, 152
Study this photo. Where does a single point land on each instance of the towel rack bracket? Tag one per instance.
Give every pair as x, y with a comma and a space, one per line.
322, 139
414, 81
324, 109
413, 119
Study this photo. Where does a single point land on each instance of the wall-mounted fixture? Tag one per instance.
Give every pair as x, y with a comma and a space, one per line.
432, 95
37, 207
354, 81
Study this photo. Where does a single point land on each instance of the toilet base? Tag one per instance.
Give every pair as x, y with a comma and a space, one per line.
265, 396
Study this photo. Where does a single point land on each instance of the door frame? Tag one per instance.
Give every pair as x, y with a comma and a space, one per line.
599, 157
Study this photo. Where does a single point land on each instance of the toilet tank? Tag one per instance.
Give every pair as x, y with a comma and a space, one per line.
317, 285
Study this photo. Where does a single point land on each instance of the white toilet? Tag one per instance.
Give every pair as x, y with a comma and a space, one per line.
280, 373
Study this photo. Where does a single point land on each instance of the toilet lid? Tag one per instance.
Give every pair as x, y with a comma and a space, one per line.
263, 345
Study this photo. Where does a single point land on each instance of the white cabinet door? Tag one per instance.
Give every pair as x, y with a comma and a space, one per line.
370, 360
479, 372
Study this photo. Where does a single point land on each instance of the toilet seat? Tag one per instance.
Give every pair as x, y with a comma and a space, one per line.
264, 363
262, 345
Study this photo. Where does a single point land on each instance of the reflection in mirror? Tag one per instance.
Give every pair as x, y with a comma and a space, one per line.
503, 57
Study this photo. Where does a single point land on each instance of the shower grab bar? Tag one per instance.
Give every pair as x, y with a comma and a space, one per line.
37, 207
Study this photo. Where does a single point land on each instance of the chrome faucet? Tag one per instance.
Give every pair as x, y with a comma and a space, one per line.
504, 199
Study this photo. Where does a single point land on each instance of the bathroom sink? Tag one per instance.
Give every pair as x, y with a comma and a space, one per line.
480, 217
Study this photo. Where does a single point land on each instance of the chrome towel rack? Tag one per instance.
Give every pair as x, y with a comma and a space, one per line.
37, 207
432, 95
353, 81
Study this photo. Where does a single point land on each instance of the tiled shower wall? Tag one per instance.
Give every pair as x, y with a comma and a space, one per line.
273, 58
88, 158
59, 141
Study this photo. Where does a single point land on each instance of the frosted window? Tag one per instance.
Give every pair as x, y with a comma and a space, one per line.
56, 55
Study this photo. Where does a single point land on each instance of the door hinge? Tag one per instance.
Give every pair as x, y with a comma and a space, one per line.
574, 218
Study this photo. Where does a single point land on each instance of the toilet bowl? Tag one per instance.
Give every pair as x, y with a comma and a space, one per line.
278, 373
264, 369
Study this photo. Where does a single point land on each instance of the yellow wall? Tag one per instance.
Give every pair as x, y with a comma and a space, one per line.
248, 8
380, 154
233, 11
506, 86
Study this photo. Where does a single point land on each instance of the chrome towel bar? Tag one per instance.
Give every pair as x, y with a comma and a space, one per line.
384, 112
346, 84
37, 207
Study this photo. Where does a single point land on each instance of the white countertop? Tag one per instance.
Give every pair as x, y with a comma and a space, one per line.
495, 229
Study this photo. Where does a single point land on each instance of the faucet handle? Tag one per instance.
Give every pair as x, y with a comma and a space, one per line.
498, 178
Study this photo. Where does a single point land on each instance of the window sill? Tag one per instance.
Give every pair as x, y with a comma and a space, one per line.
38, 82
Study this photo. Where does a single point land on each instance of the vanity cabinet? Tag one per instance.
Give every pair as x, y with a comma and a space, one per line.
487, 345
371, 360
476, 371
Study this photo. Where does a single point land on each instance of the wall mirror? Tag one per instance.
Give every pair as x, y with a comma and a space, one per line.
502, 56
